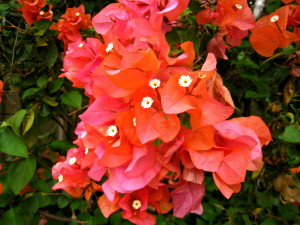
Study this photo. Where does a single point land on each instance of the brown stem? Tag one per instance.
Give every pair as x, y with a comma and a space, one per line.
59, 218
71, 113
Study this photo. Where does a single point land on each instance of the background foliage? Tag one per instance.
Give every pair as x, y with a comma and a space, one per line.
45, 109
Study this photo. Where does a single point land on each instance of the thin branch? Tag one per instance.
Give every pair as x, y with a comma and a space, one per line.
71, 113
59, 218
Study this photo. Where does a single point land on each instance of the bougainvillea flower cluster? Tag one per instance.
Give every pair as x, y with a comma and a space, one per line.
154, 127
276, 30
32, 11
233, 18
70, 24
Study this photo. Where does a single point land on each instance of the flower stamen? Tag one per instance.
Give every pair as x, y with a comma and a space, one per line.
154, 83
185, 81
72, 160
60, 178
136, 204
147, 102
274, 18
112, 131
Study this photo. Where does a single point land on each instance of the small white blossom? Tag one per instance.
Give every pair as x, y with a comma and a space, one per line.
72, 160
154, 83
136, 204
109, 47
60, 178
80, 45
112, 131
86, 151
147, 102
77, 14
51, 12
185, 81
134, 122
238, 6
274, 18
42, 13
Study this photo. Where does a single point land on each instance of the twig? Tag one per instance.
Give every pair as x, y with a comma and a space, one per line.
59, 218
13, 52
71, 113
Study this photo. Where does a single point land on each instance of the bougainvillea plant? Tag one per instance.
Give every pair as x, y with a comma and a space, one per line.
161, 131
154, 125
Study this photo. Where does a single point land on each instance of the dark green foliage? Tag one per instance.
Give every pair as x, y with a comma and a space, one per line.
30, 63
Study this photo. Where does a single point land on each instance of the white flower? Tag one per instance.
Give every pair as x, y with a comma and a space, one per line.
154, 83
147, 102
51, 12
136, 204
109, 47
112, 131
238, 6
60, 178
86, 151
72, 160
80, 45
134, 122
77, 14
42, 13
185, 81
274, 18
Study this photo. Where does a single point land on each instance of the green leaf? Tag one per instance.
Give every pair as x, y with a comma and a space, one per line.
29, 92
10, 217
48, 54
72, 98
50, 101
288, 212
61, 145
30, 205
11, 143
15, 120
20, 173
42, 27
26, 51
55, 85
4, 7
29, 122
291, 134
42, 81
62, 201
269, 221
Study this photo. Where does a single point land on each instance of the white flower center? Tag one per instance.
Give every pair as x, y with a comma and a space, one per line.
112, 131
185, 81
136, 204
238, 6
51, 12
109, 47
80, 45
134, 122
86, 151
154, 83
77, 14
60, 178
274, 18
147, 102
42, 13
72, 160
